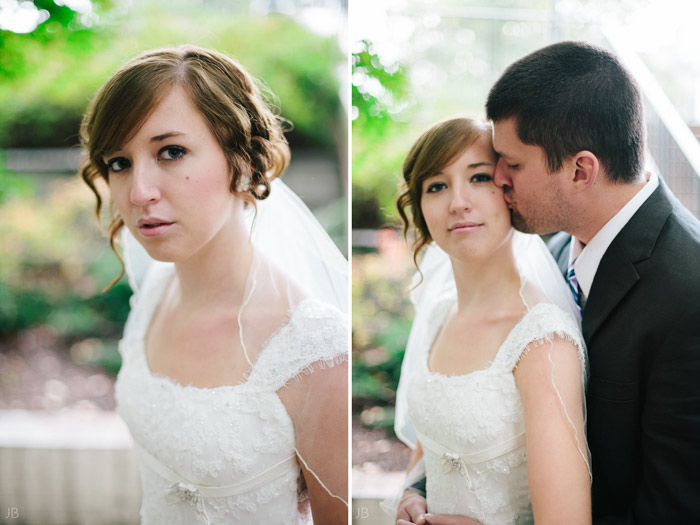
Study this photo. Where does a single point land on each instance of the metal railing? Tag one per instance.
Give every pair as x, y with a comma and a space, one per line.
674, 150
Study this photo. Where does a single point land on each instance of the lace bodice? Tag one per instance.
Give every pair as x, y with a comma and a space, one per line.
240, 436
471, 427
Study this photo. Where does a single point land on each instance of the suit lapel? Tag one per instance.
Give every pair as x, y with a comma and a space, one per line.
615, 276
617, 273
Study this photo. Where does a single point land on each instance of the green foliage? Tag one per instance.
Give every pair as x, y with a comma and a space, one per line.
378, 91
21, 308
380, 137
64, 28
376, 378
102, 314
108, 358
14, 185
48, 76
54, 264
381, 321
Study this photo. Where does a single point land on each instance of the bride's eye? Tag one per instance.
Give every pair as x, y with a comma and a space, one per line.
481, 177
117, 164
172, 153
435, 187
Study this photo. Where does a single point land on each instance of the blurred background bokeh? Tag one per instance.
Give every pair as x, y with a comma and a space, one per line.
61, 443
415, 62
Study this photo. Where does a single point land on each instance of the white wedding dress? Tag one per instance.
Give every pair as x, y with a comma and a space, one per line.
226, 454
471, 427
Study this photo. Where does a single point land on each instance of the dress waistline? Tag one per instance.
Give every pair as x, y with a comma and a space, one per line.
183, 490
453, 461
487, 454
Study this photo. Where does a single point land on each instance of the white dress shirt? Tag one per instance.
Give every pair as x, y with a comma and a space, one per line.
587, 258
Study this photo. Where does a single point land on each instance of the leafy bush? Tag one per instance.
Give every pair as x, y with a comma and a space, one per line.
54, 262
381, 321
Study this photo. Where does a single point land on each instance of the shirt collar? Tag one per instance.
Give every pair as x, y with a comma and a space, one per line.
586, 258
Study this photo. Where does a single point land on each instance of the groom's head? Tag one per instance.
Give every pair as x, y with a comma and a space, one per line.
564, 116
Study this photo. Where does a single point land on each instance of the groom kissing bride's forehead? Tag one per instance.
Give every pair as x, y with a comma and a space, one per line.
570, 133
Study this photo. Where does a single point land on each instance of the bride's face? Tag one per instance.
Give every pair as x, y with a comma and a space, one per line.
463, 208
171, 182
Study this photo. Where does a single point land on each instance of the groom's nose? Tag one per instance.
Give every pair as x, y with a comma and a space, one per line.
500, 174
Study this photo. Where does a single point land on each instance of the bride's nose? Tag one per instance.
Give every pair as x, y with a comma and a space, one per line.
461, 200
144, 188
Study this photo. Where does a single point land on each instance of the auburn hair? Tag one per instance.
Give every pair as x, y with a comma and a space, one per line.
236, 108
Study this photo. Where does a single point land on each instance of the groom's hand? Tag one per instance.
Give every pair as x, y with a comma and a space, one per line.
412, 508
448, 519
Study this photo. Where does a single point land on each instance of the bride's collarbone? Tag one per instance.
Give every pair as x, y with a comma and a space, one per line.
200, 348
465, 344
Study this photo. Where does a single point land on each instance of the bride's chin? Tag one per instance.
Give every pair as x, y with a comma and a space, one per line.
162, 254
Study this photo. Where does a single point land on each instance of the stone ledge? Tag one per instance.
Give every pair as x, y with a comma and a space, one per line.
65, 467
370, 486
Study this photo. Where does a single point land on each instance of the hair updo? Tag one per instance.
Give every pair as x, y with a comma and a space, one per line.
250, 134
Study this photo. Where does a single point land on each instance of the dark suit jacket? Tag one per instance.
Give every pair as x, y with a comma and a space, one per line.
641, 323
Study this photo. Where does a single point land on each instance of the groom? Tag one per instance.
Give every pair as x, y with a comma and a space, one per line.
569, 130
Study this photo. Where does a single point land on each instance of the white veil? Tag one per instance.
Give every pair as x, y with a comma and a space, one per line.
295, 268
435, 284
283, 229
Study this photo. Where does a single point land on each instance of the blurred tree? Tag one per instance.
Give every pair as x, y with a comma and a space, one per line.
35, 108
48, 76
55, 23
381, 107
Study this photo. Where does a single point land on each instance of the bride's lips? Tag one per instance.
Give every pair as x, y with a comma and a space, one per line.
153, 226
464, 227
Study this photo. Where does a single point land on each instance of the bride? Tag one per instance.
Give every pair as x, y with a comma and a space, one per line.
491, 390
234, 357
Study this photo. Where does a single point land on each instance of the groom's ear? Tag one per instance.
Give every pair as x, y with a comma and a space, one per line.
586, 169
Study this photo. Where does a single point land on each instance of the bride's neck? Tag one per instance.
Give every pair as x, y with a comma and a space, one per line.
490, 282
218, 272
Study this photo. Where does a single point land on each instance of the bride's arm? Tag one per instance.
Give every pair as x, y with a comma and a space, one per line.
415, 457
549, 379
317, 402
412, 504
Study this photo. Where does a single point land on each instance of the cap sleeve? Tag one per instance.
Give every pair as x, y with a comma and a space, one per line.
540, 324
316, 336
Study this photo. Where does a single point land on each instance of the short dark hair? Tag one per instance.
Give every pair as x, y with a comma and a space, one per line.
573, 96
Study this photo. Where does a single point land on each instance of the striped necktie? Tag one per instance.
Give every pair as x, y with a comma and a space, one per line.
575, 288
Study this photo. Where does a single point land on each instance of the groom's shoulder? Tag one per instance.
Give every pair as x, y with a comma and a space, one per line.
672, 265
678, 249
686, 227
681, 227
